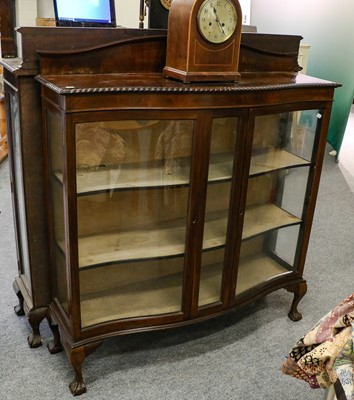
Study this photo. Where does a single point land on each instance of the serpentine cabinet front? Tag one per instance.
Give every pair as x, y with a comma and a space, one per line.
172, 205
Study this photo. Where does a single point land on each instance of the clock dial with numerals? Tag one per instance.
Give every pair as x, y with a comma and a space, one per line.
217, 20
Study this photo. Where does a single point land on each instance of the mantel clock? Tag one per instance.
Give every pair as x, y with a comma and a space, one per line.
203, 40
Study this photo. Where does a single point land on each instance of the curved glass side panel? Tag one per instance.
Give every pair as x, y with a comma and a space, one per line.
20, 193
56, 157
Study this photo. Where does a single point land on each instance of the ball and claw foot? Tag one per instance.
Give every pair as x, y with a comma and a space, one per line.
19, 311
299, 291
295, 315
77, 388
34, 340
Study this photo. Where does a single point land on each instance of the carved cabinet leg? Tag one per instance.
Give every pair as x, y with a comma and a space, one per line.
55, 345
19, 310
299, 291
77, 356
35, 317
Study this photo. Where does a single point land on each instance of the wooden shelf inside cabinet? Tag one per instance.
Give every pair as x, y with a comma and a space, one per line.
256, 270
164, 240
262, 218
149, 296
274, 159
155, 174
168, 238
102, 306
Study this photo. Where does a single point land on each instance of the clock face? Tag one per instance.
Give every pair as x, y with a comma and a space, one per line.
217, 20
166, 3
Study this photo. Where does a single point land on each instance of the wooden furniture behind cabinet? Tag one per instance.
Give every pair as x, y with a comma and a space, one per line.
171, 203
7, 33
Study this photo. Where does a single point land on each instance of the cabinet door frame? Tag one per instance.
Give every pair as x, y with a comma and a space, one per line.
292, 277
234, 218
194, 224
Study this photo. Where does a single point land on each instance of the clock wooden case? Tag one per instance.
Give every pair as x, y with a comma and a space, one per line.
203, 40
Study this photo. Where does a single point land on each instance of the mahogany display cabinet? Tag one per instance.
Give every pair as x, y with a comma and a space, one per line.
172, 203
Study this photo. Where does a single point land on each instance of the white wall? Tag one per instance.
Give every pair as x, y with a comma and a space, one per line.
327, 25
127, 13
26, 12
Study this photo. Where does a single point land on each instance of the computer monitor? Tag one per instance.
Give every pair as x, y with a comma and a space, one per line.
85, 13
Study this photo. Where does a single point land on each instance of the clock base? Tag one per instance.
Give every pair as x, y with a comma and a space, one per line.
201, 76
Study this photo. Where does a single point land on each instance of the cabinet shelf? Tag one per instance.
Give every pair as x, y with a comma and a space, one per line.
168, 239
148, 297
274, 159
255, 270
164, 240
156, 175
262, 218
163, 295
148, 175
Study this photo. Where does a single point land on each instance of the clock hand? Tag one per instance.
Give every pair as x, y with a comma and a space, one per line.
218, 21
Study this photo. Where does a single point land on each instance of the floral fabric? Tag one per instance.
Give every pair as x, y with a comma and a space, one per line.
325, 356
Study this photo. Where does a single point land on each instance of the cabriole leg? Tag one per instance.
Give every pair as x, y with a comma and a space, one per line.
35, 317
19, 310
299, 291
55, 345
77, 357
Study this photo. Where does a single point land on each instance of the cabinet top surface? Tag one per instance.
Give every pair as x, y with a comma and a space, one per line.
115, 83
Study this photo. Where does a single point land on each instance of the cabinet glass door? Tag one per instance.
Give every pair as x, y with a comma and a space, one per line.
222, 157
280, 169
132, 182
59, 251
20, 205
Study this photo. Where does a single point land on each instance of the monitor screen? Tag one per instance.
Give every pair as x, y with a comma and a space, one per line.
85, 13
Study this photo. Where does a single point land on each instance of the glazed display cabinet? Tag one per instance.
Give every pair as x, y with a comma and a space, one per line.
143, 203
149, 212
170, 203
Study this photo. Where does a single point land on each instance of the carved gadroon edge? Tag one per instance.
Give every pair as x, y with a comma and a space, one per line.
184, 88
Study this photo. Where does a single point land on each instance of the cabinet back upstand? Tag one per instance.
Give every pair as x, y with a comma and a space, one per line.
170, 203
